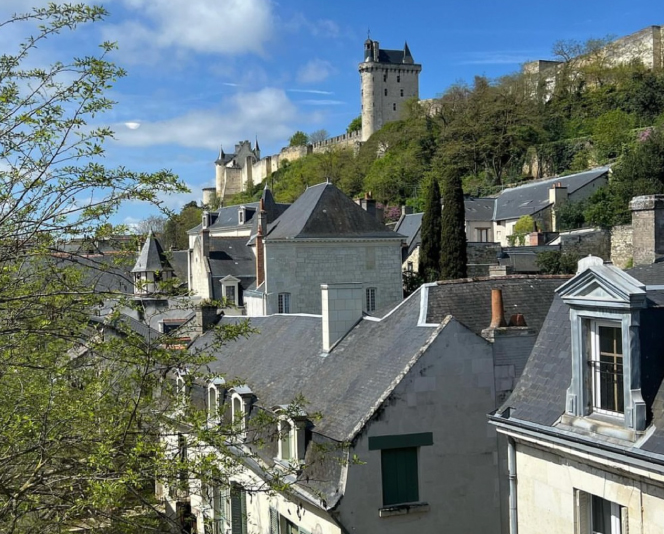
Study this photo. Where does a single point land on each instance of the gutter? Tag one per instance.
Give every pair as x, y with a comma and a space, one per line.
617, 453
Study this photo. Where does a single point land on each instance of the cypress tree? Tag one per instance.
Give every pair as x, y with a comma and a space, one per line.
453, 258
431, 234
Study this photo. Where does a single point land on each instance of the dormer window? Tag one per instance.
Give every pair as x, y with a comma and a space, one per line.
241, 398
214, 400
605, 313
292, 430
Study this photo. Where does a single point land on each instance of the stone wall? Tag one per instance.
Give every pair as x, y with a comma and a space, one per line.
622, 252
347, 140
596, 241
480, 257
301, 268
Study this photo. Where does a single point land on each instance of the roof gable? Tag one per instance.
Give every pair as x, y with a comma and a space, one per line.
152, 257
603, 286
324, 212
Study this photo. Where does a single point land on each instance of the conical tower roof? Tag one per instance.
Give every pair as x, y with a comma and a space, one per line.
151, 257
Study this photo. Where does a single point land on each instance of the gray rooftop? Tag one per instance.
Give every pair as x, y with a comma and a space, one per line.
152, 257
479, 209
323, 211
469, 300
409, 226
284, 359
532, 197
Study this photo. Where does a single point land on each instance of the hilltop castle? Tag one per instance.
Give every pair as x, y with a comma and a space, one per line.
388, 79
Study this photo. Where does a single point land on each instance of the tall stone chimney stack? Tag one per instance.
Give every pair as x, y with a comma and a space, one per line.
647, 228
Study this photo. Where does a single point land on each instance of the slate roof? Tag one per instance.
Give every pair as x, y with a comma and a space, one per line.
102, 272
231, 255
323, 211
409, 226
652, 274
479, 209
530, 198
284, 359
152, 257
540, 395
469, 300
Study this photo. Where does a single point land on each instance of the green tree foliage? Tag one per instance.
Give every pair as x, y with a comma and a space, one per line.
429, 261
611, 131
85, 416
175, 229
299, 138
355, 125
557, 262
640, 172
570, 215
522, 228
453, 257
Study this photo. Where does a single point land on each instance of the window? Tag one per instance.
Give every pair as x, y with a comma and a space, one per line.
394, 107
398, 78
284, 303
220, 509
287, 443
606, 363
399, 466
280, 525
385, 92
238, 509
238, 413
483, 235
230, 294
371, 299
402, 92
596, 515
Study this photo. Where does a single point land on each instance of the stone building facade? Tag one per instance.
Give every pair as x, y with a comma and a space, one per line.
388, 79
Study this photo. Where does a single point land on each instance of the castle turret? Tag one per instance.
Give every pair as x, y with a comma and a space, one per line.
151, 268
388, 79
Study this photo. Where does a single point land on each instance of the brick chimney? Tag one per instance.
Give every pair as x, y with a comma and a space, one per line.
260, 250
511, 343
647, 228
342, 306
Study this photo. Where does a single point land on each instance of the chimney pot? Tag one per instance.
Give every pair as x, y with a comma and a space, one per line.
517, 320
497, 313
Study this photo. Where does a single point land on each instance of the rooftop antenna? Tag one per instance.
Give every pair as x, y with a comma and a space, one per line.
369, 33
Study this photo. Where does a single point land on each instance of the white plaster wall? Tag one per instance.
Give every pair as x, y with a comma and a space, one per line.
254, 306
546, 484
473, 226
448, 392
300, 269
200, 274
501, 232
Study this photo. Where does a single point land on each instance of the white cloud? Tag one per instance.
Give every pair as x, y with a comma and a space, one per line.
203, 26
317, 28
315, 71
311, 91
269, 113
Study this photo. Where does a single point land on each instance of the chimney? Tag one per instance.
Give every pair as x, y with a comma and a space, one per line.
500, 270
368, 204
557, 197
406, 210
342, 306
205, 234
497, 311
260, 251
206, 317
511, 346
647, 228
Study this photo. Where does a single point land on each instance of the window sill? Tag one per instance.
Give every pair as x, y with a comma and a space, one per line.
403, 509
603, 424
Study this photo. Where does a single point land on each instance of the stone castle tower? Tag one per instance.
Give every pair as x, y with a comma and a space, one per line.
388, 79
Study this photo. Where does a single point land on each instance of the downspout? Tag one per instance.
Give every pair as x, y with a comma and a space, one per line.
511, 468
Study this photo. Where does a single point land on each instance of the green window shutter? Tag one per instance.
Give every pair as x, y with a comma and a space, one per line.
399, 471
238, 510
274, 521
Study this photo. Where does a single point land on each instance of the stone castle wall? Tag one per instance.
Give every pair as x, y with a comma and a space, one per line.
622, 251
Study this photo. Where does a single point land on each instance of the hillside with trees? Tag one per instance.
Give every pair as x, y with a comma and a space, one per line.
501, 132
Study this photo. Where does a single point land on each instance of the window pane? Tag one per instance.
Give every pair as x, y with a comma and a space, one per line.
609, 340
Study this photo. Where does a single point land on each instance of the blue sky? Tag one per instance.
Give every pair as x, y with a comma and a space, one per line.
202, 73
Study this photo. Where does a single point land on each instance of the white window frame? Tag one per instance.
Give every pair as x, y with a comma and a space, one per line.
283, 303
214, 412
290, 437
584, 516
370, 299
594, 357
232, 287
